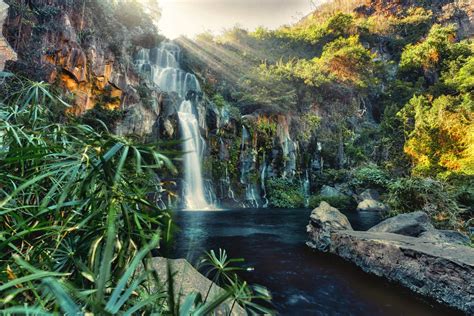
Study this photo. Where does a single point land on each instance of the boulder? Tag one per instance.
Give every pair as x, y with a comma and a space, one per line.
406, 249
410, 224
328, 191
446, 236
188, 280
444, 272
324, 220
369, 194
370, 205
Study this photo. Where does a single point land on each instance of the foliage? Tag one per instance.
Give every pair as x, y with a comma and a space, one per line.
370, 176
428, 195
431, 54
341, 202
77, 219
284, 193
67, 190
219, 100
223, 271
101, 117
439, 125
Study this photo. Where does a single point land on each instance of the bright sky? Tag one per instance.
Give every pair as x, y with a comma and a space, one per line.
191, 17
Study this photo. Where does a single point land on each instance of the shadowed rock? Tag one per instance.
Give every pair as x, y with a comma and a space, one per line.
324, 220
410, 224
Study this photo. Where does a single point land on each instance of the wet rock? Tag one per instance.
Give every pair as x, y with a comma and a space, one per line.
324, 220
188, 280
370, 205
443, 272
410, 224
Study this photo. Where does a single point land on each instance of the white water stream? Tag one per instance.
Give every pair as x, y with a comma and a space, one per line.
162, 66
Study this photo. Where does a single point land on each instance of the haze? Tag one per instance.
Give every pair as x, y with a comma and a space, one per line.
191, 17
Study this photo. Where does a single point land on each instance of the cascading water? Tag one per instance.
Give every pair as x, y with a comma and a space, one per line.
194, 188
161, 66
263, 175
306, 188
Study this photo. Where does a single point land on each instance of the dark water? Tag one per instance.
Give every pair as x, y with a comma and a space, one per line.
302, 282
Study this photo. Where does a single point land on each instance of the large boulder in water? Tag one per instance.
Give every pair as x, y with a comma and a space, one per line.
444, 272
430, 262
324, 220
410, 224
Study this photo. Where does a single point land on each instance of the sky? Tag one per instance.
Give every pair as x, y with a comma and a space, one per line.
191, 17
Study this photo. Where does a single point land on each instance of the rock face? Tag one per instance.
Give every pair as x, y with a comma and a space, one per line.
188, 280
6, 52
427, 261
324, 220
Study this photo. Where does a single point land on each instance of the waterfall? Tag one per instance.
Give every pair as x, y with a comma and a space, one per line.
306, 188
263, 175
194, 188
161, 65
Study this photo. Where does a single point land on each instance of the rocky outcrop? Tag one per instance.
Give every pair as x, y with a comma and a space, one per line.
85, 49
324, 220
188, 280
442, 272
430, 262
6, 52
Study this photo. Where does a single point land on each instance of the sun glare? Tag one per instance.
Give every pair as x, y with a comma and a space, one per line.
191, 17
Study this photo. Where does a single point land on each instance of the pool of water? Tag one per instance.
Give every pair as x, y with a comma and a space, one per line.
302, 281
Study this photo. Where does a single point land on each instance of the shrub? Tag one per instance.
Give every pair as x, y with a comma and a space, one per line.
331, 177
370, 176
342, 202
428, 195
284, 193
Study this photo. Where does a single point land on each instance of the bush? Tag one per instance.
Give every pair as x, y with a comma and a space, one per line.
370, 176
428, 195
331, 177
342, 202
284, 193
